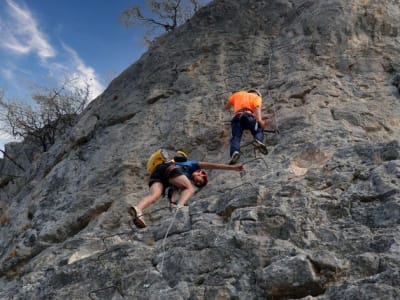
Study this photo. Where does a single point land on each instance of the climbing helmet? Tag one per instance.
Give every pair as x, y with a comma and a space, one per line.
254, 91
203, 174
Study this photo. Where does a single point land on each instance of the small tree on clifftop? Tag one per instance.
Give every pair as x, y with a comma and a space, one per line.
164, 14
53, 112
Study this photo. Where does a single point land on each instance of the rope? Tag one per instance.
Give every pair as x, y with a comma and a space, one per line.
269, 93
269, 65
165, 237
274, 112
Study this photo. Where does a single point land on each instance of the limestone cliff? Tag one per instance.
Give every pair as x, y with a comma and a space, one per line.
317, 218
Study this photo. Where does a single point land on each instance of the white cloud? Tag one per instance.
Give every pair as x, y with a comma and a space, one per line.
20, 34
75, 69
85, 73
8, 74
23, 35
4, 139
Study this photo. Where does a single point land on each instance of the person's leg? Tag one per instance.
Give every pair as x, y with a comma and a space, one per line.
249, 122
258, 133
258, 140
155, 193
237, 133
187, 190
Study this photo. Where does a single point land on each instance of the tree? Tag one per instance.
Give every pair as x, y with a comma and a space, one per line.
164, 14
53, 111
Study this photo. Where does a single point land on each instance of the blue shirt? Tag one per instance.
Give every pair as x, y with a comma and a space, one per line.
188, 167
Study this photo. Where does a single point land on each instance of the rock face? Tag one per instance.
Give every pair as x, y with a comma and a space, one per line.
317, 218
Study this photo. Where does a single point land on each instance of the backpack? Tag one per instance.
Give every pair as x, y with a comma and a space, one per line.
162, 156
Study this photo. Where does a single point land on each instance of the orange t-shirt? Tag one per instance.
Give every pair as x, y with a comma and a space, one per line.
242, 99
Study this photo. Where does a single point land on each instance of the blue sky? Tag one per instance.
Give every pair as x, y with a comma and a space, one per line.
45, 42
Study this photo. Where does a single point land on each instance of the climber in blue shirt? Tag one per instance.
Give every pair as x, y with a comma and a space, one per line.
180, 176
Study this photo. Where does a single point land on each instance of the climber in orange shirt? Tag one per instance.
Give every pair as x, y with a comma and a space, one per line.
247, 116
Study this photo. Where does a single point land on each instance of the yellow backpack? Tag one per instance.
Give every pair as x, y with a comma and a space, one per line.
163, 156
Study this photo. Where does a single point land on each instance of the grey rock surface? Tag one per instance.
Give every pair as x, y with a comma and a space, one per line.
317, 218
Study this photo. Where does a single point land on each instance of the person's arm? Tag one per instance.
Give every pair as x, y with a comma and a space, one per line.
231, 101
171, 195
228, 105
259, 118
213, 166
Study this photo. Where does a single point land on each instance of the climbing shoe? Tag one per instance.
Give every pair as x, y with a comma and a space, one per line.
260, 146
137, 215
234, 158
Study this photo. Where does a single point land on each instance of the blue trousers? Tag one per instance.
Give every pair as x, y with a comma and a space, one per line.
241, 122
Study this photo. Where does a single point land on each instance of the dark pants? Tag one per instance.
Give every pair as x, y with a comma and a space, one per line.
163, 173
241, 122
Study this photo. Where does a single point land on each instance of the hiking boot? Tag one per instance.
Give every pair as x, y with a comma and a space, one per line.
234, 158
137, 215
260, 146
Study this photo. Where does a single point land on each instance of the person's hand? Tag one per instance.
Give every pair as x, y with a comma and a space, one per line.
263, 123
239, 168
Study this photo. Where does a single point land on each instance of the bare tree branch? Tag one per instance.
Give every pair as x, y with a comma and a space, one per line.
12, 160
55, 110
165, 14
